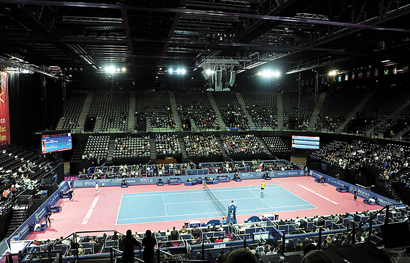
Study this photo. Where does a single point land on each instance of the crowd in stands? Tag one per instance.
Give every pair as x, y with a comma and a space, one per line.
132, 147
96, 148
154, 170
262, 107
167, 144
231, 111
242, 144
20, 170
337, 106
391, 160
372, 114
196, 106
155, 105
293, 110
162, 117
302, 234
111, 108
199, 145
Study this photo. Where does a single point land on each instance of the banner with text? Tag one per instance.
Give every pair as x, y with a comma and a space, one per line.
4, 110
184, 178
39, 214
381, 200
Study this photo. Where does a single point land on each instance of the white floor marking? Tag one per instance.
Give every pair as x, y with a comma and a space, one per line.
324, 197
90, 211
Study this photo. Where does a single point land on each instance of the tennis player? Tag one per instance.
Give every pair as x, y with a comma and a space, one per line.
96, 187
262, 187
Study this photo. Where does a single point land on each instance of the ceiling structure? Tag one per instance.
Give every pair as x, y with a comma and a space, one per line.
146, 37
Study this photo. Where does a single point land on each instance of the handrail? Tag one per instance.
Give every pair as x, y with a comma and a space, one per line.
120, 252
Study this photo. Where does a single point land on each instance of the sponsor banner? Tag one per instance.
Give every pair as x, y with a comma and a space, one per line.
4, 110
224, 178
39, 214
184, 178
382, 200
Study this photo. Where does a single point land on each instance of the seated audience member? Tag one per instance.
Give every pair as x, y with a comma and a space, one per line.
183, 229
236, 176
174, 234
123, 182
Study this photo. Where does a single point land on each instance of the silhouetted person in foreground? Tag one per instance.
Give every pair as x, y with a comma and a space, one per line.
128, 244
241, 255
148, 242
316, 256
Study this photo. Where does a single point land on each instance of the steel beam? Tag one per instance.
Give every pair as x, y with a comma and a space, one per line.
202, 12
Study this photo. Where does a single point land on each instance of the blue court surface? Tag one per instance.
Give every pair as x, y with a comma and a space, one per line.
193, 204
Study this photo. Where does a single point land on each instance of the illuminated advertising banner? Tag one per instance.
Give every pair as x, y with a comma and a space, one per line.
56, 143
4, 110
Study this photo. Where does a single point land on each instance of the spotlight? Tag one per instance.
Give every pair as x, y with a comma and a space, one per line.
110, 69
118, 69
183, 71
171, 70
123, 69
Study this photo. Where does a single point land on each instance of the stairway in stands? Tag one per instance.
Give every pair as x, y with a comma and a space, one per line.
224, 154
153, 150
316, 111
399, 135
243, 105
149, 124
110, 152
18, 218
84, 112
393, 194
268, 152
131, 111
175, 115
280, 110
183, 149
193, 125
60, 124
353, 113
217, 112
369, 132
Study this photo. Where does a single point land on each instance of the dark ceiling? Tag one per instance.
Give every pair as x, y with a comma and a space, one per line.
144, 36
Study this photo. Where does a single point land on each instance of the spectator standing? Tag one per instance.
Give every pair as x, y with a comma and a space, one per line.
148, 242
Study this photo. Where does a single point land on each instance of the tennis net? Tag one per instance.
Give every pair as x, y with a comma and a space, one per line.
221, 207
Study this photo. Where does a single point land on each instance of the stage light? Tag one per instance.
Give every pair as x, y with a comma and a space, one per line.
110, 69
332, 73
124, 69
118, 70
183, 71
171, 70
269, 74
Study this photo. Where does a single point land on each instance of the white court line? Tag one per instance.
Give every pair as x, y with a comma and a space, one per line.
119, 208
133, 218
90, 211
259, 198
207, 201
213, 190
165, 205
324, 197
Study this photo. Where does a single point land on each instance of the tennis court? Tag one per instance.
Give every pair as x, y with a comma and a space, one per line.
185, 205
